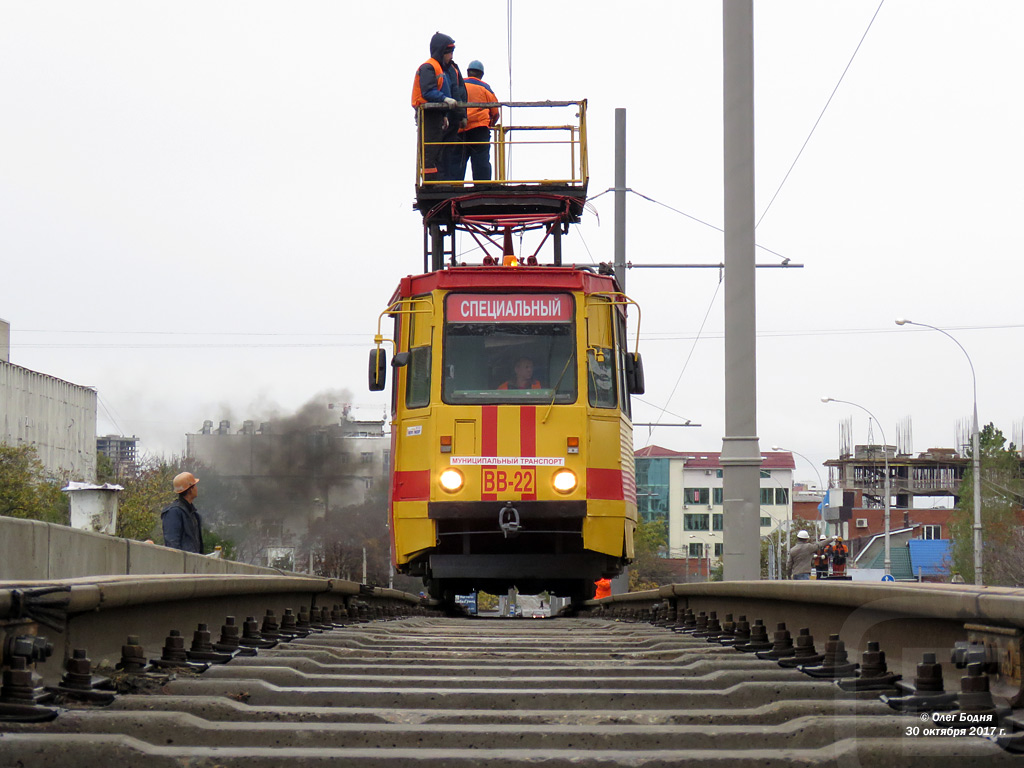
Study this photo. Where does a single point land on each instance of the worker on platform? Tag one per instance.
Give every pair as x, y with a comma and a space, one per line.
523, 378
476, 136
820, 559
800, 557
183, 527
439, 81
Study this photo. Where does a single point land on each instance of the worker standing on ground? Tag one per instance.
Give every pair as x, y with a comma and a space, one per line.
800, 557
821, 558
183, 527
438, 81
476, 136
839, 554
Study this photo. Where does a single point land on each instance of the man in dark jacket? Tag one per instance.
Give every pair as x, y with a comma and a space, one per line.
439, 81
183, 527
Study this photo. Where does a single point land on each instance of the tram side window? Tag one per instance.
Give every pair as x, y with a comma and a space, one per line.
601, 375
601, 378
417, 383
622, 349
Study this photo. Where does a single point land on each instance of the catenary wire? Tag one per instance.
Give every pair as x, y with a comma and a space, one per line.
813, 127
650, 432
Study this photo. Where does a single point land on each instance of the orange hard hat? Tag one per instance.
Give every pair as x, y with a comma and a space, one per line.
184, 481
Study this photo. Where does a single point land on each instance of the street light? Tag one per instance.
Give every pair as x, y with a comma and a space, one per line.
707, 556
816, 472
885, 455
975, 448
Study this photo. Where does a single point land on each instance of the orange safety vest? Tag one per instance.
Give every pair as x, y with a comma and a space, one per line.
417, 94
479, 116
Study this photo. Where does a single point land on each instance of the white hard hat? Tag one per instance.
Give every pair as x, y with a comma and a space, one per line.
803, 535
823, 537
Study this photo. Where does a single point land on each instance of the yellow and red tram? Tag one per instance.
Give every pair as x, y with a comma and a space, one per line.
512, 446
498, 482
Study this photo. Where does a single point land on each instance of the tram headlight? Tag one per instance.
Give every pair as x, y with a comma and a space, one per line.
451, 480
564, 481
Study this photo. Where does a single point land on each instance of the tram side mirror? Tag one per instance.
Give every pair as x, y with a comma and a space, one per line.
401, 360
635, 373
378, 369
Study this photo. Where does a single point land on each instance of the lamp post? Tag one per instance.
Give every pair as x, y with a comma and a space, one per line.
975, 449
885, 455
816, 472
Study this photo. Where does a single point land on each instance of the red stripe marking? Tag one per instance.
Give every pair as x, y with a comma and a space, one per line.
604, 484
528, 440
629, 486
411, 486
488, 440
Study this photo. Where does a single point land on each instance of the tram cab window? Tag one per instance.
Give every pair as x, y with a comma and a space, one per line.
481, 361
481, 358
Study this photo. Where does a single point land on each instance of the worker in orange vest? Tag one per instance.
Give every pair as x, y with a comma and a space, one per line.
476, 136
839, 554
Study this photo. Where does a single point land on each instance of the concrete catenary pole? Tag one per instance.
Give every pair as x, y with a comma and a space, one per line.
620, 198
741, 453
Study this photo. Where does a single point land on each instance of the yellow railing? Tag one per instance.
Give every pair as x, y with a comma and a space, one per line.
536, 161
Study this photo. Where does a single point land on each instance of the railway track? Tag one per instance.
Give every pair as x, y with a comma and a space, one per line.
607, 688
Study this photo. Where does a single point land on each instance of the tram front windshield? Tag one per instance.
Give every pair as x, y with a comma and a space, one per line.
510, 362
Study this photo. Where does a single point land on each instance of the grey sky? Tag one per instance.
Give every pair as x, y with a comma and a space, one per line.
232, 183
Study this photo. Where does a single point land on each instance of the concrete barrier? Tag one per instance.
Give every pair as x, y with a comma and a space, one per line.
35, 551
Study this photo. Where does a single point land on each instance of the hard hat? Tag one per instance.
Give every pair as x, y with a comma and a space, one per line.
823, 537
477, 65
184, 481
803, 535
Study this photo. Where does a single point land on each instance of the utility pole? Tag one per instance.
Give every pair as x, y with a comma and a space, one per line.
741, 453
620, 198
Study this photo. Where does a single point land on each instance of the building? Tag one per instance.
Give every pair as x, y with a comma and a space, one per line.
55, 416
282, 484
684, 489
923, 492
120, 450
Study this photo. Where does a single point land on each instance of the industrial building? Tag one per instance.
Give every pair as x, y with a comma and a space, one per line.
283, 481
55, 416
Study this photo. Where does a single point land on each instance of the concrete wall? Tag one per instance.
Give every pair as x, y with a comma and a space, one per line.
55, 416
33, 551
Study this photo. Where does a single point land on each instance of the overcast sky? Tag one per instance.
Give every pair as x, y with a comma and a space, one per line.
204, 206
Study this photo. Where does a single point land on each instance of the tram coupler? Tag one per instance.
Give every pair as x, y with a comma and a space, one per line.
508, 521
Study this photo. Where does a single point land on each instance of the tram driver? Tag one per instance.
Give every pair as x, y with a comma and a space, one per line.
523, 378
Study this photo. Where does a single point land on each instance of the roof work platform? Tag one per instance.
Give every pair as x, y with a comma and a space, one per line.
527, 146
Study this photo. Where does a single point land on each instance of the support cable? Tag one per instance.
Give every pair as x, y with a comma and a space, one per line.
829, 101
650, 432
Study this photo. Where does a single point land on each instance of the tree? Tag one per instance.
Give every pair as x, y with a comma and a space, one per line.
146, 492
1002, 489
25, 489
649, 569
341, 537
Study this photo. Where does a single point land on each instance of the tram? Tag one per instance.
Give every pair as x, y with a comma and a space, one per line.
512, 447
